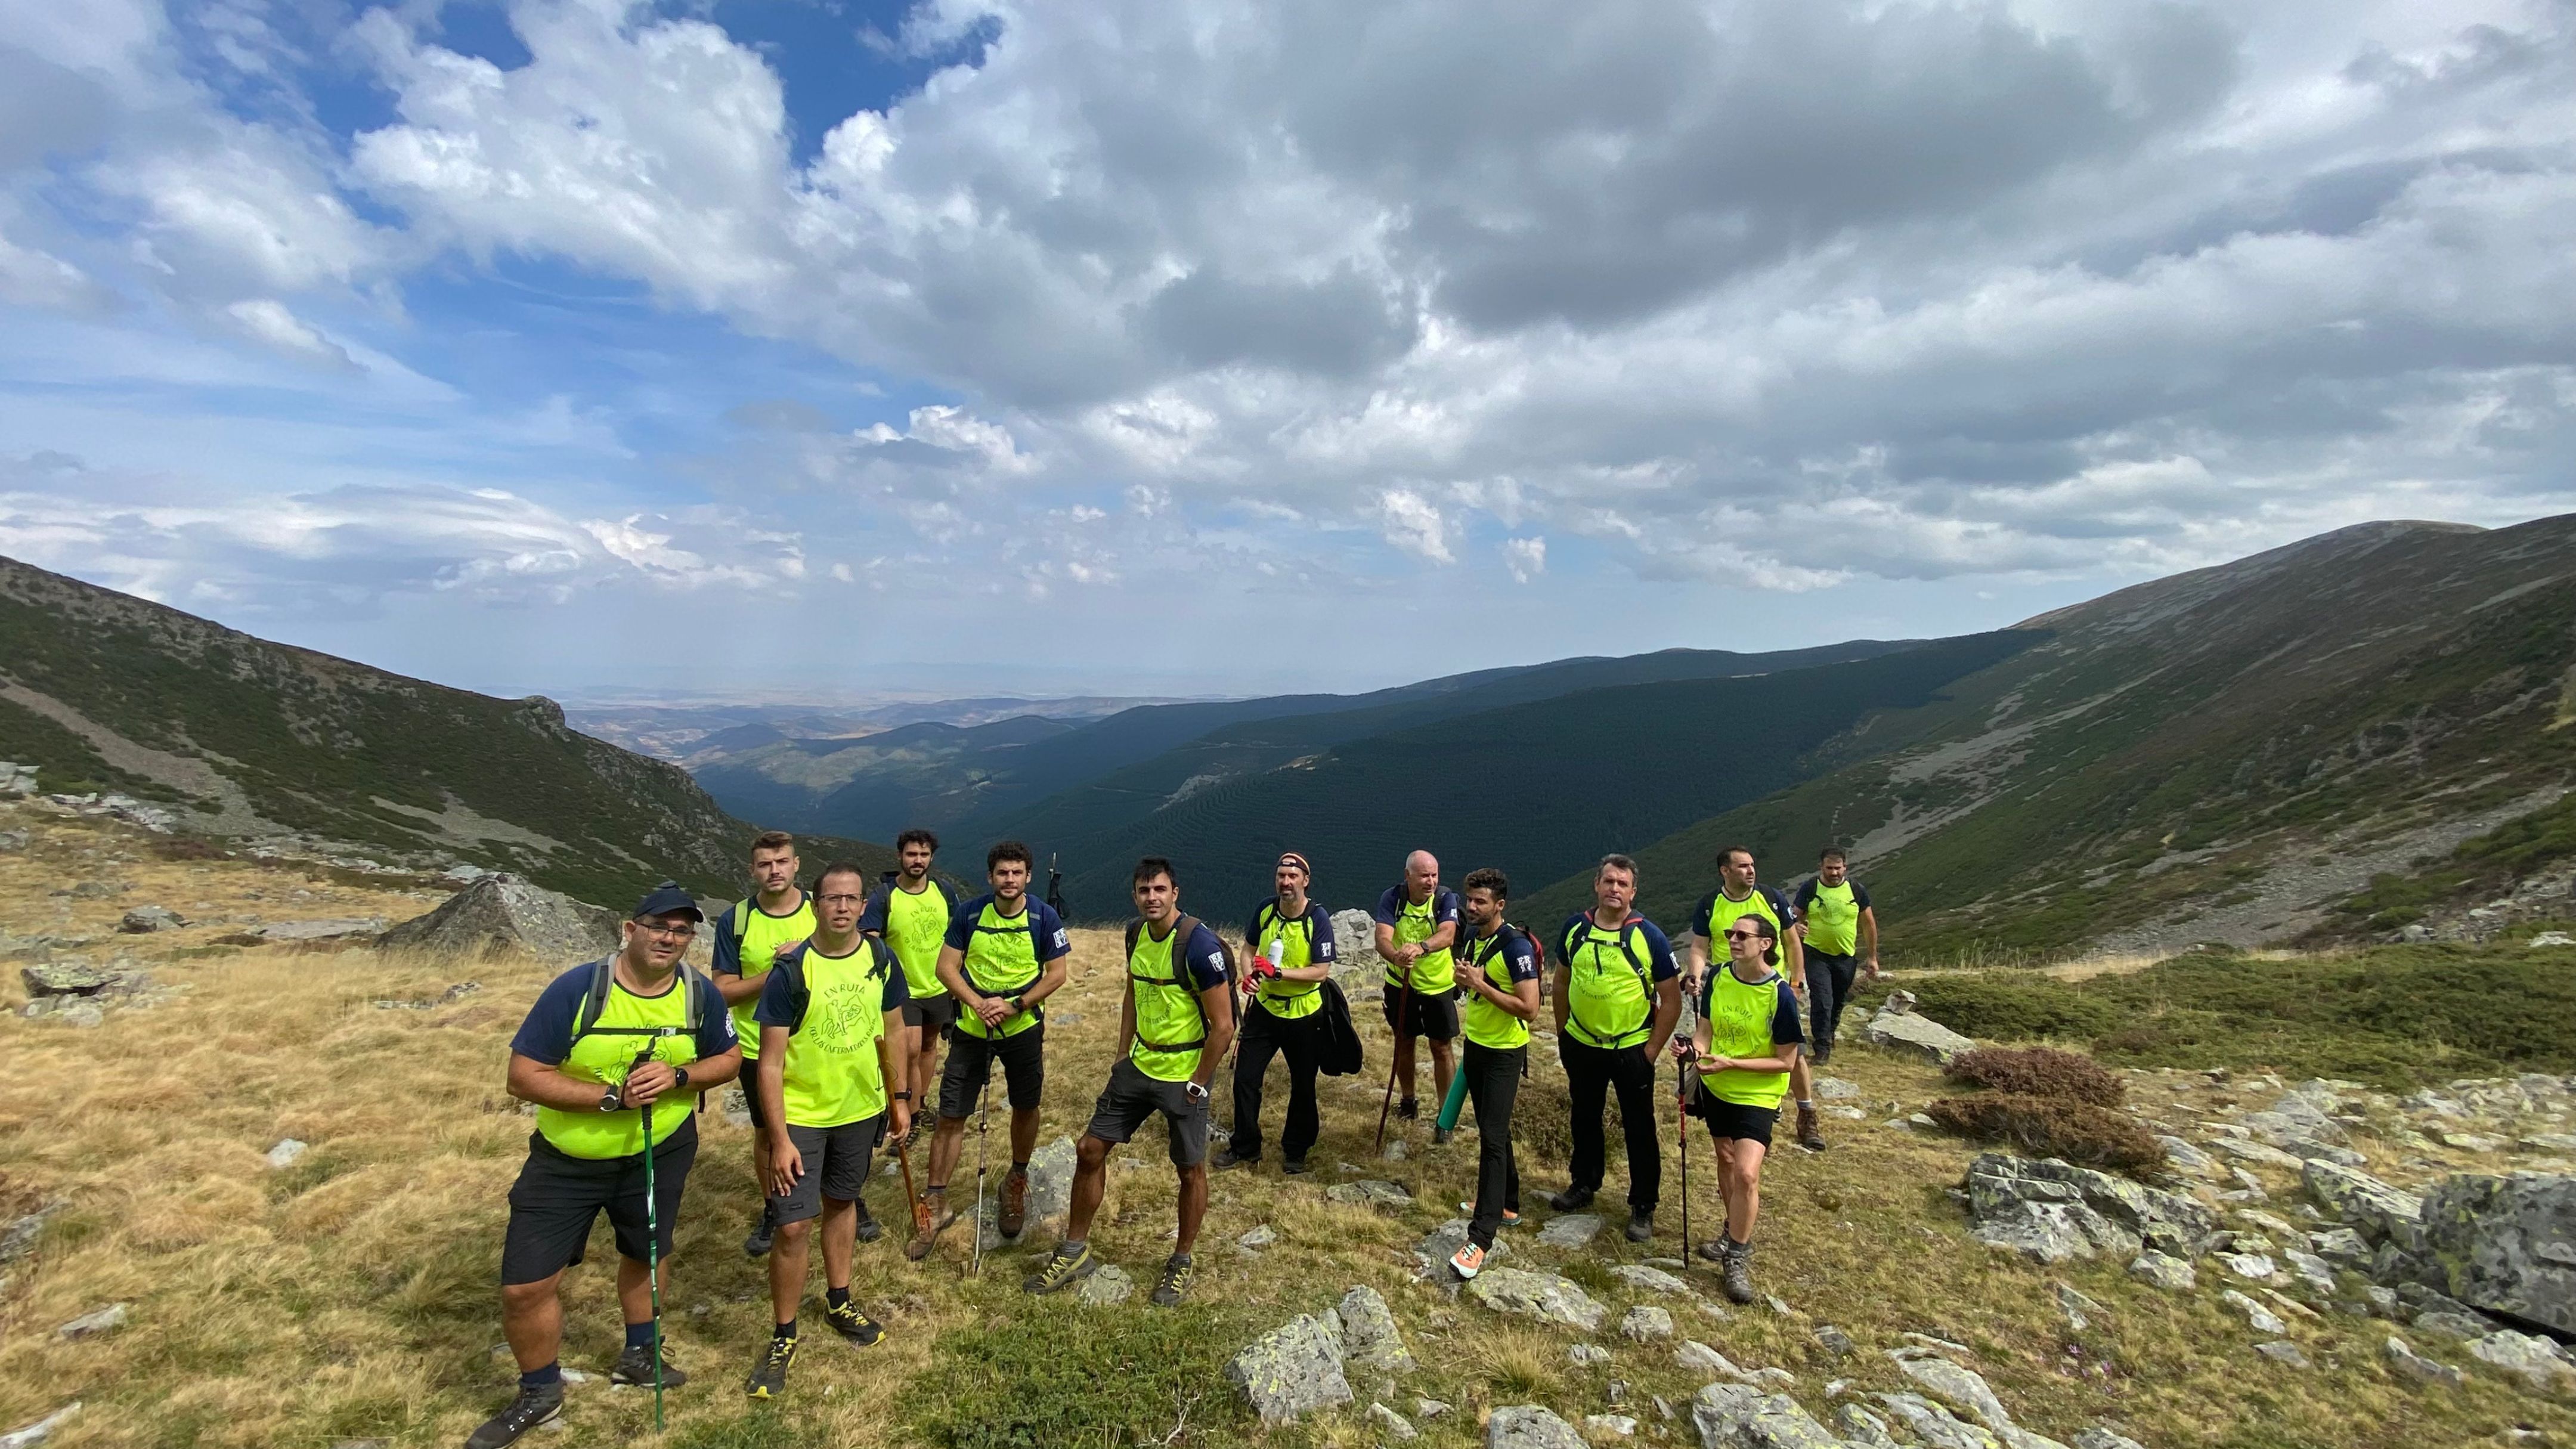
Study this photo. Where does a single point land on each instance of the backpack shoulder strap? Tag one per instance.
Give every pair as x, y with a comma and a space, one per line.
1133, 926
594, 998
741, 914
1182, 930
879, 955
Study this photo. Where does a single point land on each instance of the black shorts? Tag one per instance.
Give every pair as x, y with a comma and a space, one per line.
970, 1065
750, 1082
1735, 1119
836, 1166
932, 1013
1434, 1015
1132, 1096
558, 1197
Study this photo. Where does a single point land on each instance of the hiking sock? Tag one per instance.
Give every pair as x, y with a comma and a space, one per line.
1807, 1104
1180, 1260
640, 1335
836, 1297
784, 1330
1072, 1247
1019, 1167
538, 1378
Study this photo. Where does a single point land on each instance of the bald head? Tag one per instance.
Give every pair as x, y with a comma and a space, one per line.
1421, 875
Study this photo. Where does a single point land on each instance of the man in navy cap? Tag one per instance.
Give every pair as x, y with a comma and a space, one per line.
605, 1042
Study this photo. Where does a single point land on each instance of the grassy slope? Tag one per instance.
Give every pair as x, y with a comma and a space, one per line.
2188, 735
352, 1295
320, 745
1532, 788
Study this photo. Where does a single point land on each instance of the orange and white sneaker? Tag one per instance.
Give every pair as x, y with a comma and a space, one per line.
1469, 1260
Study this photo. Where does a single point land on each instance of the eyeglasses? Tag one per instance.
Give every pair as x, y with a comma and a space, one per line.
680, 932
1744, 935
839, 899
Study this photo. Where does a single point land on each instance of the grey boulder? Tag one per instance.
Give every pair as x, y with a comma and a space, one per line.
503, 913
1899, 1026
2378, 1212
2507, 1244
1544, 1296
1527, 1426
1740, 1416
1370, 1338
1292, 1370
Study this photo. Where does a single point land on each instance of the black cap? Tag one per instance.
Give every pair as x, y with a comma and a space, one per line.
668, 899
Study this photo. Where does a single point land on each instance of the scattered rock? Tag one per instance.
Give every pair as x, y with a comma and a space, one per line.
2079, 1310
1651, 1280
1836, 1342
2252, 1267
1370, 1192
2508, 1244
2283, 1352
1258, 1239
2378, 1212
1934, 1426
2053, 1211
1587, 1355
18, 1238
1899, 1026
65, 978
41, 1430
1740, 1416
1574, 1230
1107, 1287
97, 890
1292, 1370
1397, 1427
1527, 1426
1544, 1296
2187, 1158
91, 1325
1835, 1089
2547, 939
2101, 1438
334, 928
1370, 1338
1427, 1408
2535, 1360
1609, 1426
1956, 1385
2261, 1319
1646, 1323
2461, 1326
1864, 1429
502, 913
2163, 1270
2409, 1364
144, 920
285, 1153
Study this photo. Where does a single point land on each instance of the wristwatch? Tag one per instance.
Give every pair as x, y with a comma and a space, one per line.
903, 1096
608, 1099
679, 1077
1194, 1091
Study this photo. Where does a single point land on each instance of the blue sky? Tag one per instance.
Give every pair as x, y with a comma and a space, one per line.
786, 349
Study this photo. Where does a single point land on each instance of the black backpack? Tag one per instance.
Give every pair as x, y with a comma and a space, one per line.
1180, 941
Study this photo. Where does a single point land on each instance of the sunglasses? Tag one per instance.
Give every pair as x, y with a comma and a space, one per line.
1745, 936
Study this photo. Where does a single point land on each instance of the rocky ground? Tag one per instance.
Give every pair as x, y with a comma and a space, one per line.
257, 1200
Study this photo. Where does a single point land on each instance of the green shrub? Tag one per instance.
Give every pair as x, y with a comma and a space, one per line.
2016, 1006
2079, 1132
2038, 1072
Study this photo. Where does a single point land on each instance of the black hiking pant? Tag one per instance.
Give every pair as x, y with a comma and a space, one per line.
1590, 1072
1493, 1085
1829, 985
1301, 1041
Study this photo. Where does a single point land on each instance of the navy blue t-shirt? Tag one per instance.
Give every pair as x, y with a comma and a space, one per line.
546, 1036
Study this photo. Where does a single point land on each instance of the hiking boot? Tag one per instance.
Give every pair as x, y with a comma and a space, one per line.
1440, 1136
1405, 1109
770, 1379
1714, 1250
1511, 1216
1641, 1226
1573, 1199
1824, 1053
1014, 1214
1225, 1158
1811, 1131
1738, 1258
869, 1228
635, 1366
757, 1245
1063, 1267
1295, 1167
1468, 1261
1175, 1280
850, 1323
934, 1202
534, 1405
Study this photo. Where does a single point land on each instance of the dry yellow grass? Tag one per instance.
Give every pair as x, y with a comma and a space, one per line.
353, 1295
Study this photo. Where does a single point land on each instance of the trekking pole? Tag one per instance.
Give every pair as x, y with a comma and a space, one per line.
983, 1137
1681, 1126
653, 1242
1403, 1003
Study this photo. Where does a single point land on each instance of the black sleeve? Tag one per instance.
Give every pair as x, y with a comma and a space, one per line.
1786, 1029
1860, 895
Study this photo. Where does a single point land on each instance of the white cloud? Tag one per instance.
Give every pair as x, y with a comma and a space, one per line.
1414, 524
1525, 557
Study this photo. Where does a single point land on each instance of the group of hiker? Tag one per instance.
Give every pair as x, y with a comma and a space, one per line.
831, 1003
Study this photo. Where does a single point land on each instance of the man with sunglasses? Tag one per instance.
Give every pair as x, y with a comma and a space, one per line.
604, 1041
